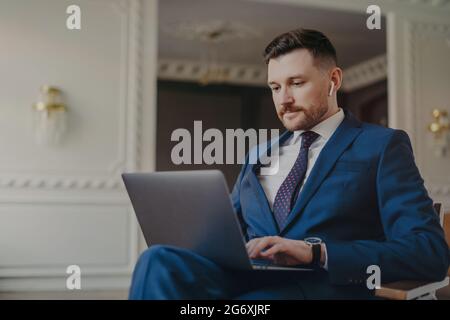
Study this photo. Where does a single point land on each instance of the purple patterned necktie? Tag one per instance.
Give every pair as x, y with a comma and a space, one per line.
287, 194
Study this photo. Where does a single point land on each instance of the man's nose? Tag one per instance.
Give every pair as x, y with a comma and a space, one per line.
286, 97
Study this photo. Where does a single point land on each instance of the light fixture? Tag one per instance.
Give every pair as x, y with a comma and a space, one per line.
211, 37
213, 72
440, 128
49, 117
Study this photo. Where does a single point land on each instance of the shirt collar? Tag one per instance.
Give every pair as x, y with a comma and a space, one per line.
326, 128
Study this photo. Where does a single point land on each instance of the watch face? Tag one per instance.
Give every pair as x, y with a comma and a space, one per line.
313, 240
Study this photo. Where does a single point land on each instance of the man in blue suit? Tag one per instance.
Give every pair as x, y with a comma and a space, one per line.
351, 187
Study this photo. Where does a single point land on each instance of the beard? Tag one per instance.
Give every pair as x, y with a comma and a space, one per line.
299, 118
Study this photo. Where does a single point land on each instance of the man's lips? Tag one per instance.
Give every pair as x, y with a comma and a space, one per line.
290, 113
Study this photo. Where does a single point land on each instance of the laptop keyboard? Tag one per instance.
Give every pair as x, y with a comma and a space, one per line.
262, 262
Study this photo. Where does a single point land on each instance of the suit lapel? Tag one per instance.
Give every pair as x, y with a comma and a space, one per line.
344, 135
257, 189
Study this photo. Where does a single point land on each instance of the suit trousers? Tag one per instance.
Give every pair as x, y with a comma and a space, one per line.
167, 272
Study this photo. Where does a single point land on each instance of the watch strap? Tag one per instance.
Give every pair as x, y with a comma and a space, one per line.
316, 253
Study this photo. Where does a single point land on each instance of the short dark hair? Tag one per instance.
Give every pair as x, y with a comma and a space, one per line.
314, 41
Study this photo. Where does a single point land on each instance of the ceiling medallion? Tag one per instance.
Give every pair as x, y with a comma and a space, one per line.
212, 35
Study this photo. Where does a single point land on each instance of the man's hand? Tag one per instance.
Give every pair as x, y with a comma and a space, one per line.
281, 251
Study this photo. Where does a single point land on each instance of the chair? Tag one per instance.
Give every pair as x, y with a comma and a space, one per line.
414, 290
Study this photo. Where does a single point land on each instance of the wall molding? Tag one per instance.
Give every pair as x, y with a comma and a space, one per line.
125, 268
64, 183
430, 6
365, 73
411, 94
130, 123
191, 71
100, 199
416, 33
135, 101
58, 283
432, 3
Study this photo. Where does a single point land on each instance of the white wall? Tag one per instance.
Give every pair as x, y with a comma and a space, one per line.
67, 205
419, 81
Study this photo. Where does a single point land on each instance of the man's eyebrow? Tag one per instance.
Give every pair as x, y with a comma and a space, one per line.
290, 78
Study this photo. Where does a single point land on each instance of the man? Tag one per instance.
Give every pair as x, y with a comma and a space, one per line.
353, 187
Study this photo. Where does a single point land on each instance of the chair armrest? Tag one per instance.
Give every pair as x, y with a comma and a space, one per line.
409, 290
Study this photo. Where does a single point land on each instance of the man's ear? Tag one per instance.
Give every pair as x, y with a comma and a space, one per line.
331, 89
336, 80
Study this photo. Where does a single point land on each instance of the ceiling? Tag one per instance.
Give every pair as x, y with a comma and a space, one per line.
354, 43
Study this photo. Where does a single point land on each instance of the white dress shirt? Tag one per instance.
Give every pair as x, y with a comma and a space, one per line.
288, 153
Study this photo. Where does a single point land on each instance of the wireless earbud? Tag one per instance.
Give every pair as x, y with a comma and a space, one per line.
331, 89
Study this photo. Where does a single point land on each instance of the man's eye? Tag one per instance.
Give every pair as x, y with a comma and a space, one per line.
298, 83
275, 88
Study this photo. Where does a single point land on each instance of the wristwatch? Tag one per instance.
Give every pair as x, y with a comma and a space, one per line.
315, 244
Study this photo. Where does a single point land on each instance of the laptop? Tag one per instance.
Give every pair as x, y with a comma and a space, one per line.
193, 210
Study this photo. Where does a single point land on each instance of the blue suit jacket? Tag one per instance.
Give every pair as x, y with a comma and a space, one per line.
366, 199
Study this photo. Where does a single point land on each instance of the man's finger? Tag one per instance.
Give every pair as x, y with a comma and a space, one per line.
252, 252
255, 249
263, 244
251, 244
276, 248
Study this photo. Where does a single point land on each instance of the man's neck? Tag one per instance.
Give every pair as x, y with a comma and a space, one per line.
331, 112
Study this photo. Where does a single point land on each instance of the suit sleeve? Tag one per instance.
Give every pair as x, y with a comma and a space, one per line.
414, 247
236, 199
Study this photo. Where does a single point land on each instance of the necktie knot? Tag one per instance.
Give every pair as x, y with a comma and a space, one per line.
308, 137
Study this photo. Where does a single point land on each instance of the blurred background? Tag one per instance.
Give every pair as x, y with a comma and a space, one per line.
78, 107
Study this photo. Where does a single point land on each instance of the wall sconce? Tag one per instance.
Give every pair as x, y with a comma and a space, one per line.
440, 129
49, 118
